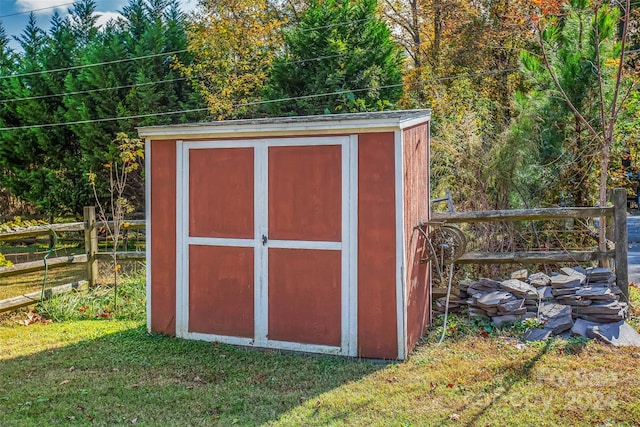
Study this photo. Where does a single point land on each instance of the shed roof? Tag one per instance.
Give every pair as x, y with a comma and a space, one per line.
379, 121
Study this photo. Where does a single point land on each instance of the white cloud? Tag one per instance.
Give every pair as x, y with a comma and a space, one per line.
188, 5
42, 6
105, 17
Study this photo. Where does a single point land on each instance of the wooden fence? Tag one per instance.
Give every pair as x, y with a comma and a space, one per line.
616, 232
89, 258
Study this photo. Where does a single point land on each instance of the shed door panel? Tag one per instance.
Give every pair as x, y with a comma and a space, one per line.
221, 220
221, 193
221, 290
305, 195
305, 233
304, 296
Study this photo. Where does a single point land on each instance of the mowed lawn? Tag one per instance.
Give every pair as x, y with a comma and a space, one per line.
112, 372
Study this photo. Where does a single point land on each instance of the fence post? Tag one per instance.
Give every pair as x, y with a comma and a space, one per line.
621, 239
91, 243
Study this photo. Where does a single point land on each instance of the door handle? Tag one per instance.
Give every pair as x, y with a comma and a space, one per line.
264, 240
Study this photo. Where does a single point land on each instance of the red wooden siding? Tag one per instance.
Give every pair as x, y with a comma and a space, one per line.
377, 322
305, 296
416, 209
221, 193
305, 196
221, 290
163, 237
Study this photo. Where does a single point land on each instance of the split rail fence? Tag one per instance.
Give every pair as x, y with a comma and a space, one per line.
616, 232
89, 258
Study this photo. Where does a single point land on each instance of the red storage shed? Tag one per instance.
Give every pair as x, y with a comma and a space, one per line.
292, 233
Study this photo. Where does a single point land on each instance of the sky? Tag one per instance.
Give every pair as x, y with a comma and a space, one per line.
15, 13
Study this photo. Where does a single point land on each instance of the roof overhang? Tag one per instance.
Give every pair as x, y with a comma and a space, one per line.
382, 121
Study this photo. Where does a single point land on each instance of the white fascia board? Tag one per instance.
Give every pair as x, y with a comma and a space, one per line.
230, 129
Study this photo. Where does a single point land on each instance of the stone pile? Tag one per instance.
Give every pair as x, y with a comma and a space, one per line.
575, 300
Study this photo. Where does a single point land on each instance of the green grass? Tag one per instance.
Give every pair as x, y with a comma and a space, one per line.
112, 372
100, 302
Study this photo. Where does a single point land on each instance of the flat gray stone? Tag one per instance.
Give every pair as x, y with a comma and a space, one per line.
549, 310
520, 274
558, 292
603, 318
558, 325
511, 306
464, 284
544, 293
556, 317
572, 272
508, 318
573, 300
593, 291
487, 284
539, 279
479, 314
580, 270
605, 308
492, 299
605, 298
537, 335
519, 288
580, 327
599, 274
619, 334
562, 281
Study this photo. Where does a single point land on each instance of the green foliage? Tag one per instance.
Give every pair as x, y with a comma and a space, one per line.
233, 43
98, 303
47, 165
339, 47
18, 223
581, 46
5, 262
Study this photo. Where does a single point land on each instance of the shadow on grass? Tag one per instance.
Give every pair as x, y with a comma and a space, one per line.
134, 377
515, 376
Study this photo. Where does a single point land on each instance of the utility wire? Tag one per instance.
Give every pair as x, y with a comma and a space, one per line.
55, 95
264, 102
75, 67
37, 10
81, 92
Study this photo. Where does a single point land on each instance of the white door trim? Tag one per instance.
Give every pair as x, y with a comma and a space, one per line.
347, 246
401, 289
147, 209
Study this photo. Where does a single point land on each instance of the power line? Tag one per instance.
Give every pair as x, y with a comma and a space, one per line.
38, 10
81, 92
264, 102
55, 95
75, 67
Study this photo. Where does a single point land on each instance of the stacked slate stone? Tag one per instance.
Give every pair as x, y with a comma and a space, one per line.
506, 301
556, 301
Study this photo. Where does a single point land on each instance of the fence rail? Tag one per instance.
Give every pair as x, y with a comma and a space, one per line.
45, 230
616, 232
90, 229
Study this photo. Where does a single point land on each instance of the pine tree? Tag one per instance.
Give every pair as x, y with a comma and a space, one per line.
339, 47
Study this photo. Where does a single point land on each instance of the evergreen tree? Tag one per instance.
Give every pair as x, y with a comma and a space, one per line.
341, 47
582, 63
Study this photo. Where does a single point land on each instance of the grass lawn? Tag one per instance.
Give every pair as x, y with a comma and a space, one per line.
112, 372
